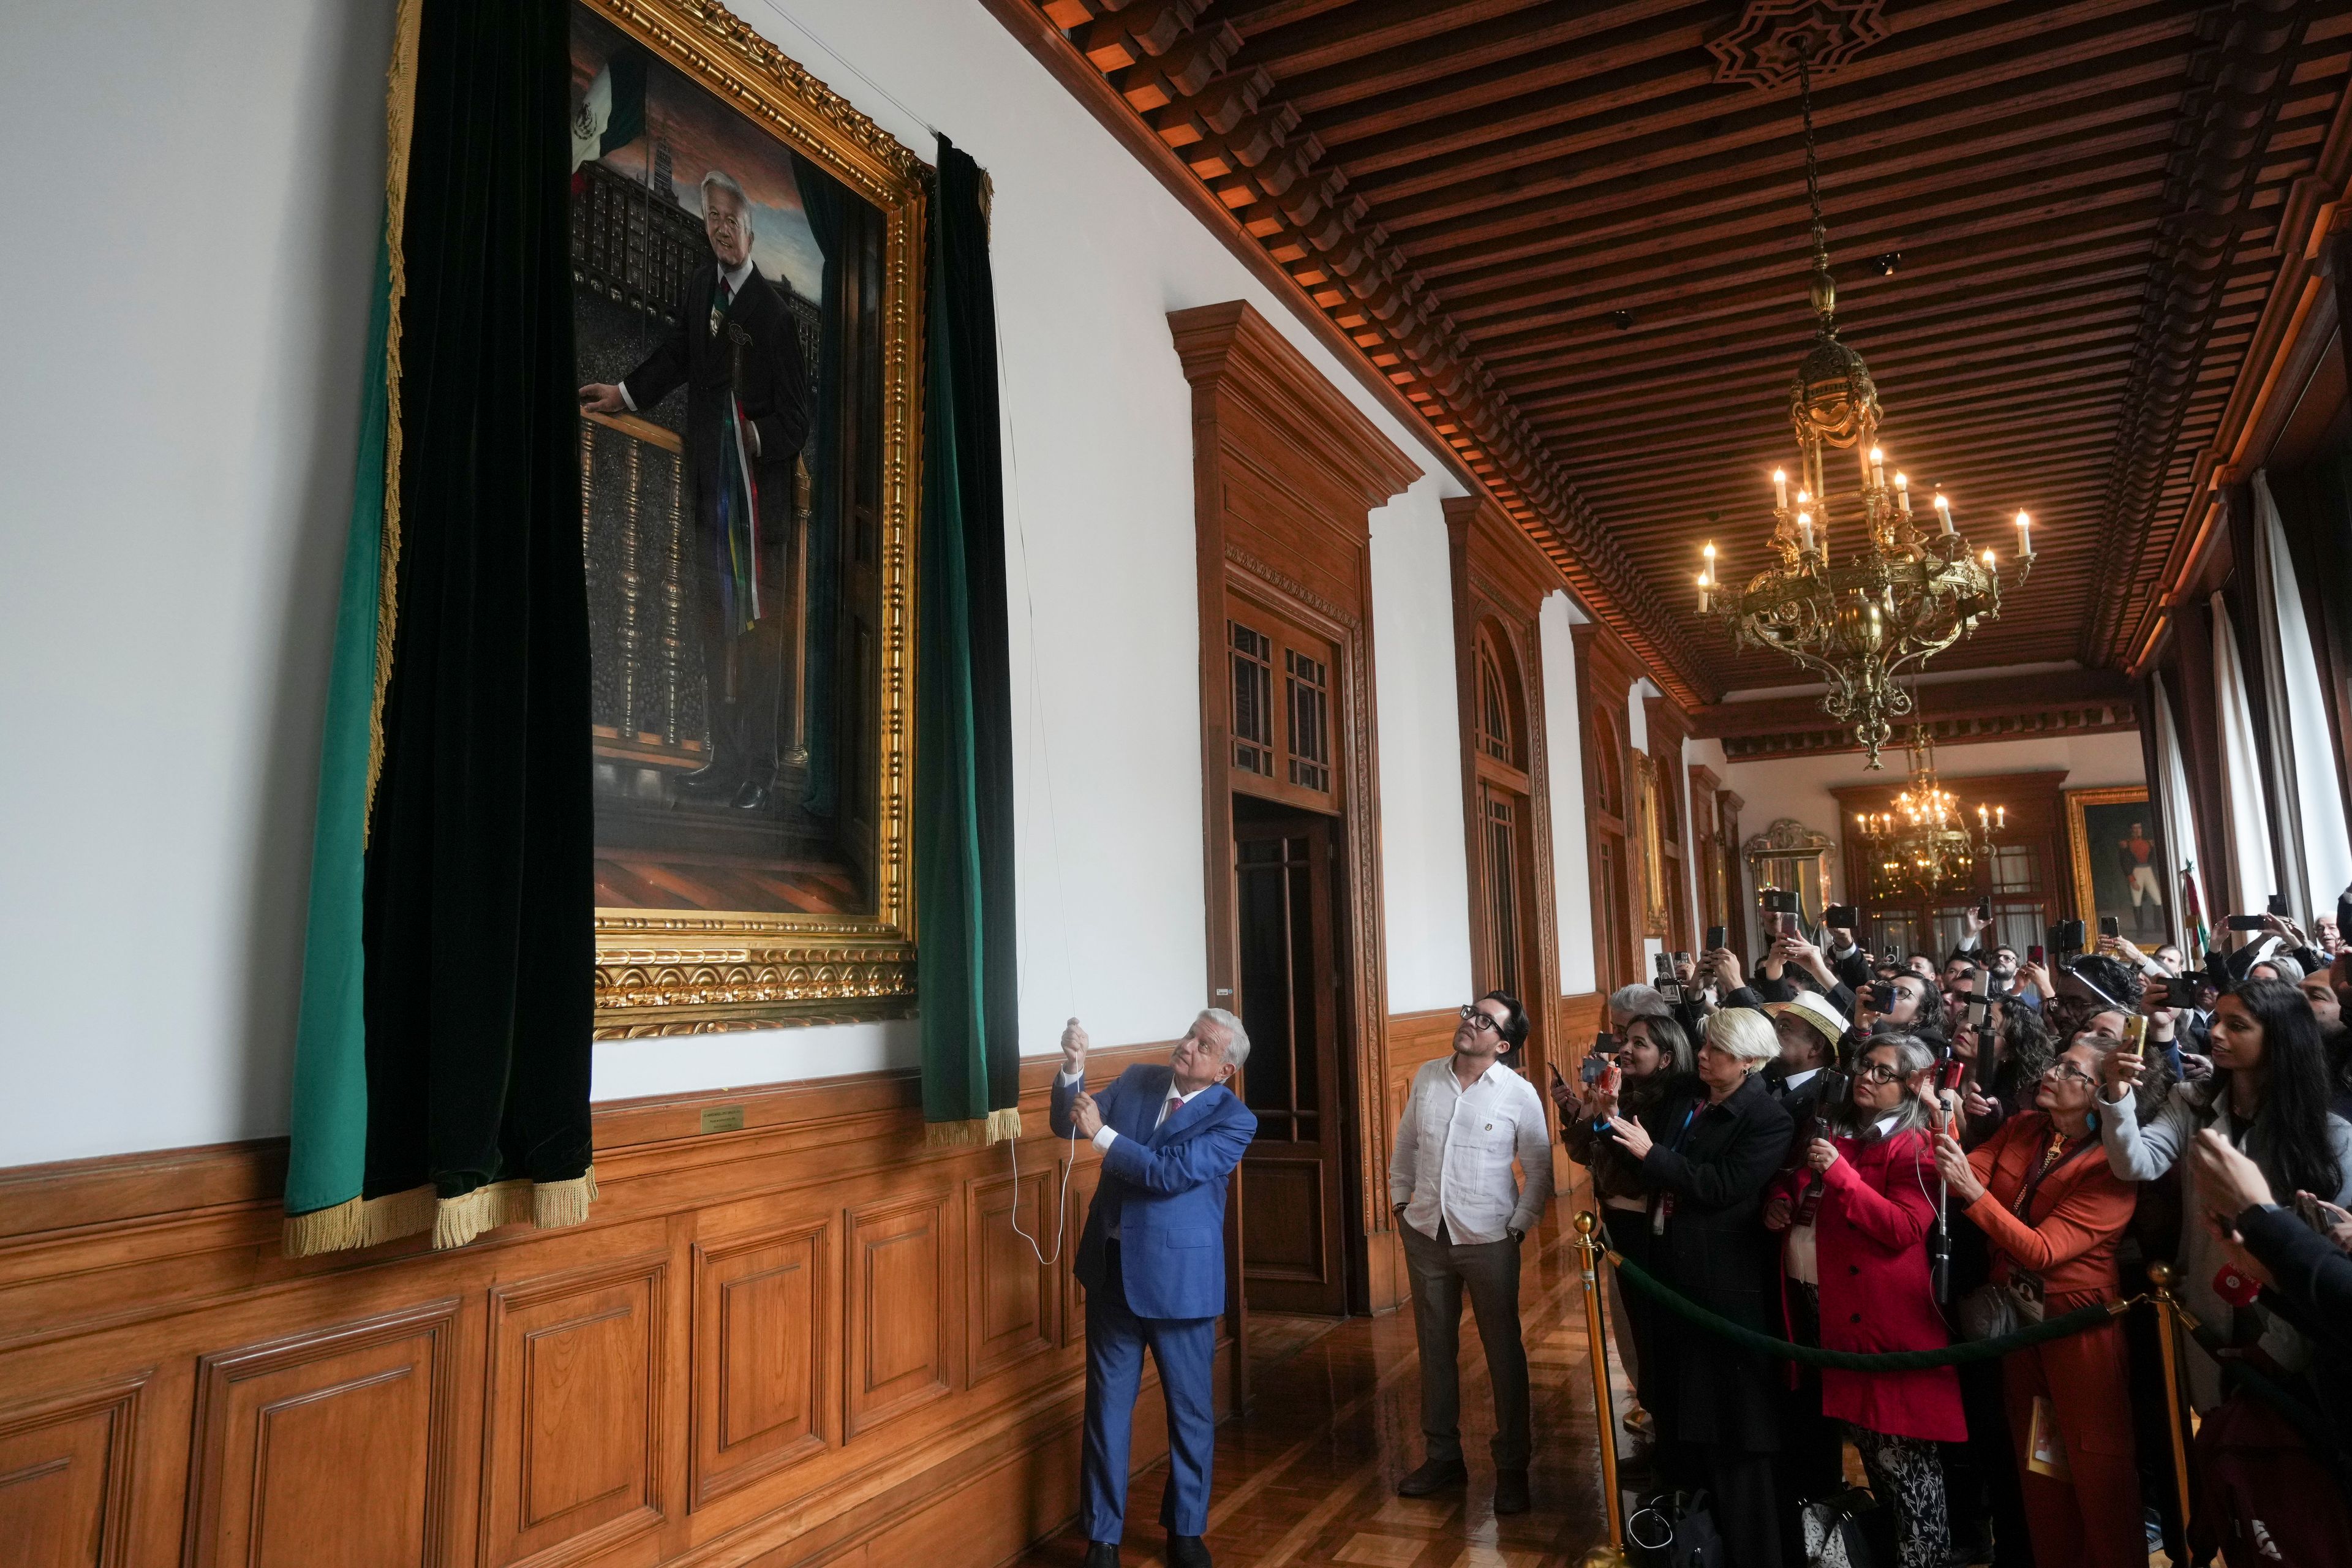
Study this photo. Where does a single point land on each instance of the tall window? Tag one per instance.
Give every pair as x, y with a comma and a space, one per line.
1493, 708
1311, 721
1279, 684
1503, 887
1252, 716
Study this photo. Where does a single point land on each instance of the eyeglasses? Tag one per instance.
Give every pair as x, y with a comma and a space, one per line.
2068, 1070
1480, 1019
1879, 1072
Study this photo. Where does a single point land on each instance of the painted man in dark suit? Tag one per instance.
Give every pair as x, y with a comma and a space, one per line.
735, 352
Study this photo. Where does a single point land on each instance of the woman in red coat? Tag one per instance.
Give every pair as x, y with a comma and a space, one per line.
2041, 1191
1876, 1178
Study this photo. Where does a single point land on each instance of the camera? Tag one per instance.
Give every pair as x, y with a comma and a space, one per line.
1715, 938
1844, 917
2110, 926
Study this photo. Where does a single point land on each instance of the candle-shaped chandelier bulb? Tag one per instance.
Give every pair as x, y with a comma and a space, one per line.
1780, 489
1877, 467
2024, 535
1902, 491
1944, 509
1805, 528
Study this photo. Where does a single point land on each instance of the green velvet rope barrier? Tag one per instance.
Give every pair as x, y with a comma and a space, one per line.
2074, 1322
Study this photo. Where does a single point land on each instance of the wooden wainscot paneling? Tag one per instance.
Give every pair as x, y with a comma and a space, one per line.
764, 1385
65, 1477
574, 1421
1013, 1296
330, 1447
813, 1339
901, 1308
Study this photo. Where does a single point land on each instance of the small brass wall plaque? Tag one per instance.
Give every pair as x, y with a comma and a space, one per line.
723, 1118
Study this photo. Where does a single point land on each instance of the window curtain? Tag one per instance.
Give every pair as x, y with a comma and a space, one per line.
826, 202
2177, 816
2245, 821
2324, 839
455, 1096
967, 973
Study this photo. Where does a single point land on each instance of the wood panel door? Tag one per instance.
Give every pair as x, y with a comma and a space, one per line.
1293, 1250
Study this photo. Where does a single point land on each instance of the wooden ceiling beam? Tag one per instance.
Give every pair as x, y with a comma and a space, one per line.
1527, 238
1466, 49
1483, 158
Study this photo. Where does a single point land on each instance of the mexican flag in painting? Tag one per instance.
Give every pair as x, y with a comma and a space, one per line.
442, 1059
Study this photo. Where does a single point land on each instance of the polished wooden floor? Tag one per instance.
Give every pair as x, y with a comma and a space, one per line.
1308, 1475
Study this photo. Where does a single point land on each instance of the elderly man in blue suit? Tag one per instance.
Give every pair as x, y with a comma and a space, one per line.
1153, 1265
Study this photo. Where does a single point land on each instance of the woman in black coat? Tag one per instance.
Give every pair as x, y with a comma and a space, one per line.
1705, 1162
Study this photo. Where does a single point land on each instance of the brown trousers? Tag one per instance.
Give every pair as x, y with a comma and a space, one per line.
1490, 1273
2093, 1519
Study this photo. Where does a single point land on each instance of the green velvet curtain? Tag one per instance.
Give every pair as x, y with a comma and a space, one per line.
968, 978
476, 929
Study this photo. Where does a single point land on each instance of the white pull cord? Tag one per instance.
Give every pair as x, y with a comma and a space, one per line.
1042, 756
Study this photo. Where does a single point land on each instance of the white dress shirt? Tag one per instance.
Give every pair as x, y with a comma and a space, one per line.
1796, 1080
1105, 1135
1454, 1151
732, 277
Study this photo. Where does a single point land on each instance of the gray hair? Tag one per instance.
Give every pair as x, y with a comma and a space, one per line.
1639, 1002
1236, 1037
2288, 969
720, 180
1745, 1032
1912, 1058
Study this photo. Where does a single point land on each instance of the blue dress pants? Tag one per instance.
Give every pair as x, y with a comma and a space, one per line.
1185, 1350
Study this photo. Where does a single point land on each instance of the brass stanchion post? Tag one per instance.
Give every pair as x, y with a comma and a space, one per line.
2159, 1275
1609, 1554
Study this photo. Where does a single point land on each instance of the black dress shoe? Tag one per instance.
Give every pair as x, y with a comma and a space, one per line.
1433, 1477
1187, 1551
711, 778
1511, 1492
752, 797
1102, 1554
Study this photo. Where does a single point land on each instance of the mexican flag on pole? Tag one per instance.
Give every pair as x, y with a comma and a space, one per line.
441, 1047
612, 115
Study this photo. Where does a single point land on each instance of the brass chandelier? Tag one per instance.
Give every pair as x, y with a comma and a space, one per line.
1901, 593
1922, 844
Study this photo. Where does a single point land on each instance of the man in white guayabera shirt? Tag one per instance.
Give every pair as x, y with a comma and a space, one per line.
1465, 1214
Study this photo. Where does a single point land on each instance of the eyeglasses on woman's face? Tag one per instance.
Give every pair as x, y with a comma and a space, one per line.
2067, 1072
1480, 1019
1880, 1072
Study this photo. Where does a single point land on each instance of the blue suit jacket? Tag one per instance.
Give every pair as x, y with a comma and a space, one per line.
1165, 1188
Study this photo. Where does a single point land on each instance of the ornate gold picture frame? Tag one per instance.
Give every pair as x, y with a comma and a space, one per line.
721, 905
2116, 871
1656, 910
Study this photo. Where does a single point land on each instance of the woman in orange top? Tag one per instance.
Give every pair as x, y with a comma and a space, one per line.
2040, 1191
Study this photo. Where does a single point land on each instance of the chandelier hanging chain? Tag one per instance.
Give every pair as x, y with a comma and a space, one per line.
1812, 163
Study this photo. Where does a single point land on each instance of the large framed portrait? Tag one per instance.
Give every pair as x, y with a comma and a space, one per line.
2118, 869
746, 267
1654, 912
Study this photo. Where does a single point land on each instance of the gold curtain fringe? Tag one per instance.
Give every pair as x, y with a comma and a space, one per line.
400, 115
370, 1222
978, 1132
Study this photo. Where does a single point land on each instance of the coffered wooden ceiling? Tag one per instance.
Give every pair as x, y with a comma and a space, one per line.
1558, 233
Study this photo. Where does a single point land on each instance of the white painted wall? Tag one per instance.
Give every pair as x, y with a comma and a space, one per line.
177, 439
1800, 787
1424, 869
1571, 861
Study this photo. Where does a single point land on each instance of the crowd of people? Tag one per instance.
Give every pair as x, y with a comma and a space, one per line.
1883, 1154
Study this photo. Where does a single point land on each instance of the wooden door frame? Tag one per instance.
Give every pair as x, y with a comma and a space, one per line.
1500, 582
2037, 816
1267, 425
1605, 672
